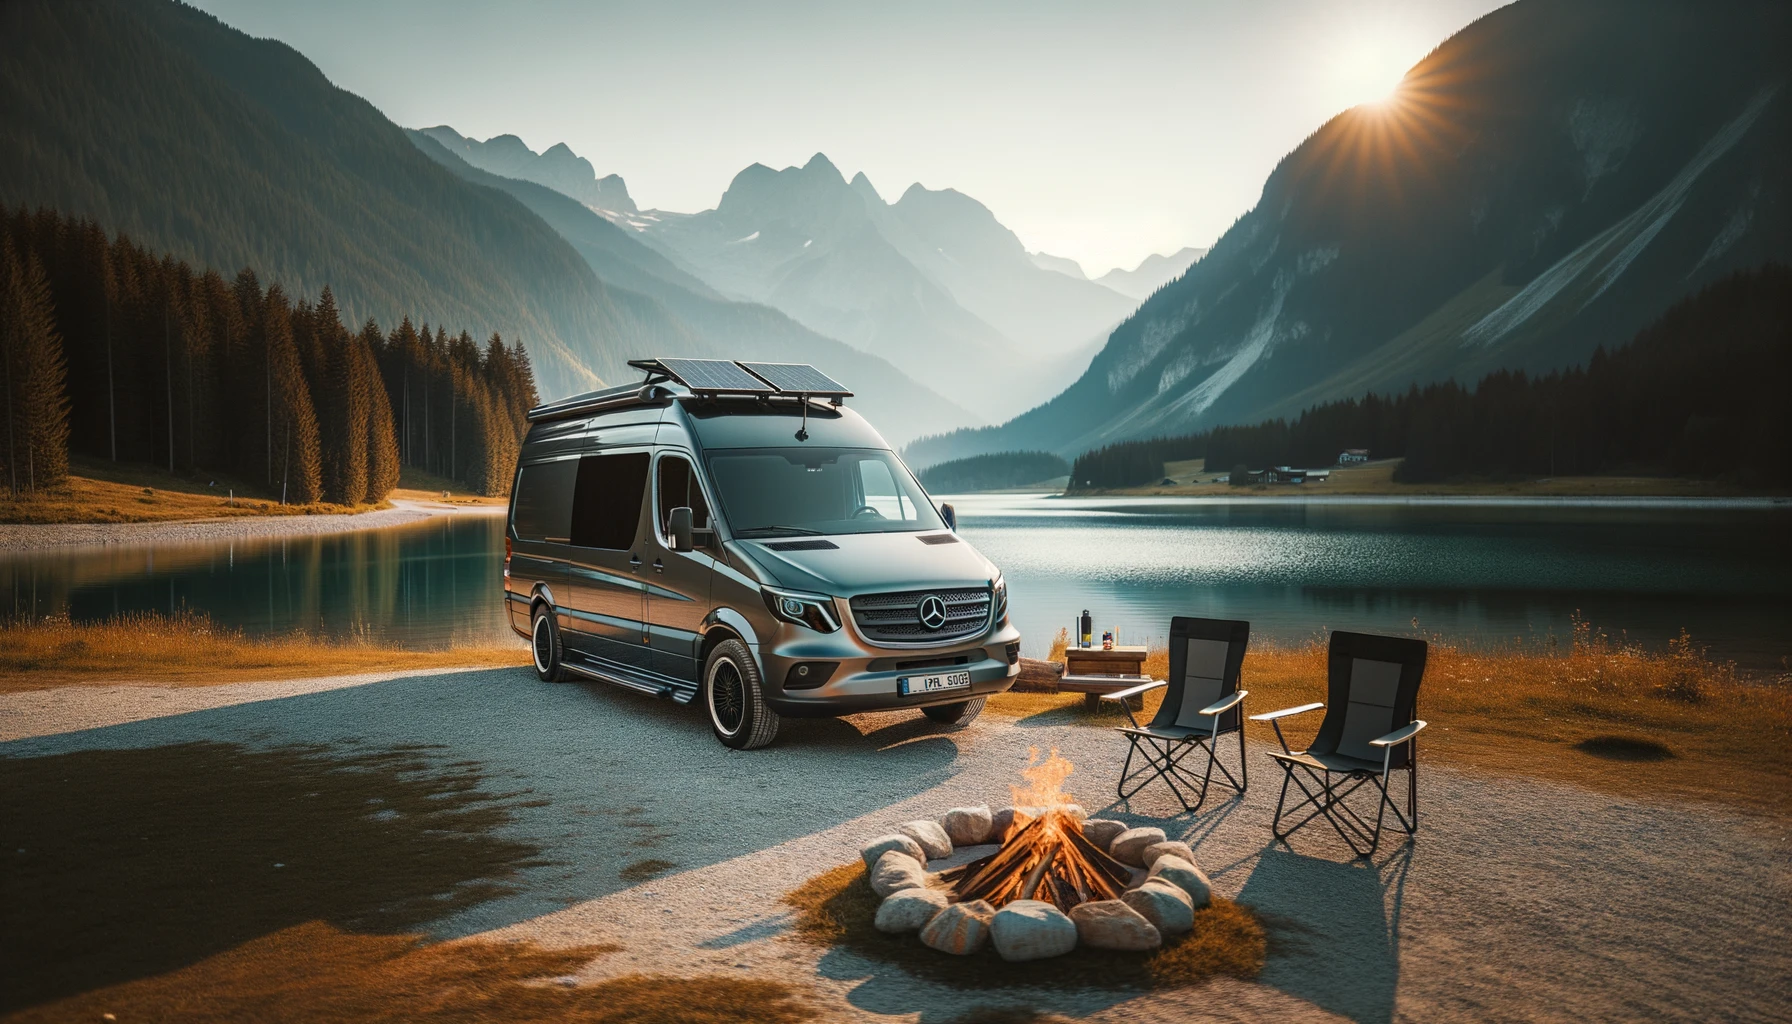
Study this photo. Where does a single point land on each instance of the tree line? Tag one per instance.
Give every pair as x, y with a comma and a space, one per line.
1699, 393
992, 472
115, 352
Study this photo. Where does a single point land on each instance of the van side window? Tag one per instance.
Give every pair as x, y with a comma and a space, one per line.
544, 501
606, 504
679, 489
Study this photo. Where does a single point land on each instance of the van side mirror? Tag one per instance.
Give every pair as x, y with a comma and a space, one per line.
678, 526
950, 516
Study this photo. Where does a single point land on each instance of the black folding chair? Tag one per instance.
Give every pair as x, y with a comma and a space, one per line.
1202, 702
1368, 733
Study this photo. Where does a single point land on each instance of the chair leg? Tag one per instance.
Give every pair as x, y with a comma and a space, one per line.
1327, 798
1163, 759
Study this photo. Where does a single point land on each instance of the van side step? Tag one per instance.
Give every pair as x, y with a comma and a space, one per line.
656, 685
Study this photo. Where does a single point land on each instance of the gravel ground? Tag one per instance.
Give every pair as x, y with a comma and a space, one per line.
30, 536
1518, 900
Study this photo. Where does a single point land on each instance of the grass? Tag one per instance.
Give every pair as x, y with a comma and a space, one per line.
1596, 711
837, 908
106, 492
318, 972
188, 649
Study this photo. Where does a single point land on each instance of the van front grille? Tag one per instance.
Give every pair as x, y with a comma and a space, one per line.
896, 618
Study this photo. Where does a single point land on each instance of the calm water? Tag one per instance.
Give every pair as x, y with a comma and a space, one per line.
1475, 573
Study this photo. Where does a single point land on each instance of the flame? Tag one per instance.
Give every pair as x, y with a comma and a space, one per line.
1045, 780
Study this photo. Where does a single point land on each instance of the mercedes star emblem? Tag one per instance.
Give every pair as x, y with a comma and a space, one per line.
932, 611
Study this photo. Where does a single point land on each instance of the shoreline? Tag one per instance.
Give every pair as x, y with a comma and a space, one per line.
1613, 501
17, 538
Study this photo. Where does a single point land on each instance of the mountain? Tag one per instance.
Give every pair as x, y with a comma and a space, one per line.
559, 168
932, 282
718, 328
1058, 264
1151, 274
157, 120
1545, 182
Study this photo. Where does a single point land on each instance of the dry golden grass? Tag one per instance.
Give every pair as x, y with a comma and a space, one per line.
1595, 712
103, 492
188, 649
837, 907
317, 972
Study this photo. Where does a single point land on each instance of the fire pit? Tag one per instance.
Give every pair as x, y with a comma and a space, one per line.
1053, 880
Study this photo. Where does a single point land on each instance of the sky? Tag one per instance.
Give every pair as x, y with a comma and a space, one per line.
1102, 132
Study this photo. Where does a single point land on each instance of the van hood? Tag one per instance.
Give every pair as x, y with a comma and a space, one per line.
869, 563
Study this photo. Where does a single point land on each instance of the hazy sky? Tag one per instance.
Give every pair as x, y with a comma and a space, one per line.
1100, 131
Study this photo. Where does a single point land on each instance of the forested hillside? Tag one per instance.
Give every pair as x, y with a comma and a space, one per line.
158, 121
117, 352
1699, 393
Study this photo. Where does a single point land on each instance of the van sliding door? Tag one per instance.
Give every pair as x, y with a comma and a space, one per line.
608, 595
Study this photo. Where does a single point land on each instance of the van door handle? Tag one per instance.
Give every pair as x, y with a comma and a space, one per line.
634, 562
659, 566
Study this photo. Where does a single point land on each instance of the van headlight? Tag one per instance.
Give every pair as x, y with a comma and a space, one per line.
813, 610
1001, 601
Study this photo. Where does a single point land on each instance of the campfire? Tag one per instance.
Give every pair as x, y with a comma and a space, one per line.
1044, 855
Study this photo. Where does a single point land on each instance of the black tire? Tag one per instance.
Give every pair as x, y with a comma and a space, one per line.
733, 697
957, 715
544, 645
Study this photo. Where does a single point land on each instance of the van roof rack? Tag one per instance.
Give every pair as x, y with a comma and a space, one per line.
703, 378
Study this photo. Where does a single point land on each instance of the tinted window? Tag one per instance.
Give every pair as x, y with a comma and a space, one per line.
786, 491
606, 506
544, 501
679, 488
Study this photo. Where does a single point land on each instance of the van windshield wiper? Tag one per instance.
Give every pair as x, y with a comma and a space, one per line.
751, 530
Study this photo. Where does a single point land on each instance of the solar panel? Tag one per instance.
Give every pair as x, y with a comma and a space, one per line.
714, 375
798, 379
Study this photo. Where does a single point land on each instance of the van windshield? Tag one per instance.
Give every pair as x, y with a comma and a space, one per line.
783, 492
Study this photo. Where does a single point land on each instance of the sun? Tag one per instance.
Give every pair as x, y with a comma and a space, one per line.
1367, 69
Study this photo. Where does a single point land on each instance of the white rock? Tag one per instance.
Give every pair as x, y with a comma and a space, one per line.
1171, 848
896, 871
1111, 924
1032, 930
884, 844
909, 910
1129, 846
1167, 908
961, 929
1101, 831
968, 826
1001, 823
933, 839
1184, 875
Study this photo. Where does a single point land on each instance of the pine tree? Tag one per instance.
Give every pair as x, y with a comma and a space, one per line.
297, 454
36, 453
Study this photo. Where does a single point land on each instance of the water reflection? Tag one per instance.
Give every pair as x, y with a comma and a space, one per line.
424, 585
1474, 573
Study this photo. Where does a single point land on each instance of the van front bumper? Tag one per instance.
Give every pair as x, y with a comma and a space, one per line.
865, 677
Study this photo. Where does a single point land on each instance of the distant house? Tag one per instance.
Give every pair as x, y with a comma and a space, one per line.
1352, 456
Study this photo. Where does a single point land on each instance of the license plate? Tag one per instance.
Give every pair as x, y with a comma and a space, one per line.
909, 686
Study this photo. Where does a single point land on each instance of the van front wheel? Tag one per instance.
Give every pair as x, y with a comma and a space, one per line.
735, 698
957, 715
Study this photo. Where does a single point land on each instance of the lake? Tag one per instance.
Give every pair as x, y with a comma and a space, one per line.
1472, 571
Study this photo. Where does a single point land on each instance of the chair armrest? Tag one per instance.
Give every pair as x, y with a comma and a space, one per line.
1270, 716
1399, 736
1134, 691
1224, 704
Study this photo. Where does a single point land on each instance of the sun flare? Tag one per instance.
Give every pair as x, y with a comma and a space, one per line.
1369, 69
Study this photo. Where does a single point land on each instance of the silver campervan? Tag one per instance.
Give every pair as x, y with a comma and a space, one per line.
729, 532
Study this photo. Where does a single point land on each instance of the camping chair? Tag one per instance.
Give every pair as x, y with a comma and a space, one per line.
1368, 733
1202, 702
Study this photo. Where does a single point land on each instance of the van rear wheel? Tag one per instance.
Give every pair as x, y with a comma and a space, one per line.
544, 645
734, 697
957, 715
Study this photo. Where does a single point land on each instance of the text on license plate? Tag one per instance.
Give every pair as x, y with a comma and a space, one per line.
910, 685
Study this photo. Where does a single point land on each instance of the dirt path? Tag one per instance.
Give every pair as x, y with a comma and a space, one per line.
29, 536
1519, 899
